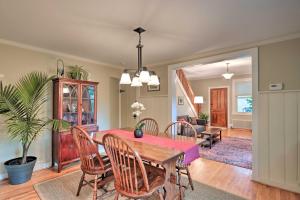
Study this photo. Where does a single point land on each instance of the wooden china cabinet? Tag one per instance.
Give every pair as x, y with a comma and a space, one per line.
76, 102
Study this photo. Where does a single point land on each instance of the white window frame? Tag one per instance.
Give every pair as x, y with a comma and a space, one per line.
234, 97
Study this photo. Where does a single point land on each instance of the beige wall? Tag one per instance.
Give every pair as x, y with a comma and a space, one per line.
162, 72
15, 62
155, 102
280, 62
128, 96
200, 88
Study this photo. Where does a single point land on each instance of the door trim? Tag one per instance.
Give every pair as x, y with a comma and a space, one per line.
228, 102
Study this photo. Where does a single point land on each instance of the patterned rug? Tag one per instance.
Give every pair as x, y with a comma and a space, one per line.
64, 188
233, 151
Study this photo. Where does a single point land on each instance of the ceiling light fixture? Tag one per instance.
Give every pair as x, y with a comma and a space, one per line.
141, 75
227, 75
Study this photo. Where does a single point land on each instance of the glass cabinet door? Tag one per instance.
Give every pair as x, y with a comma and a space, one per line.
88, 105
70, 103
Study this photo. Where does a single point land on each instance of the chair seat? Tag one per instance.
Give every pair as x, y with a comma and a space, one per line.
156, 179
97, 169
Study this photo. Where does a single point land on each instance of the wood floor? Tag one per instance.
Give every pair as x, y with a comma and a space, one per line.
229, 178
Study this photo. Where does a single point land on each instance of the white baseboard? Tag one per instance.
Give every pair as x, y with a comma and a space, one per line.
290, 187
38, 166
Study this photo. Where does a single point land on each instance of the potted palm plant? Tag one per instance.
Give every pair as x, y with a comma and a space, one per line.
21, 105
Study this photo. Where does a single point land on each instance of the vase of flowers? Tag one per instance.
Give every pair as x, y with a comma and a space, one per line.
138, 131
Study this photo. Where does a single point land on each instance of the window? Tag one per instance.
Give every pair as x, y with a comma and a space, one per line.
242, 96
244, 104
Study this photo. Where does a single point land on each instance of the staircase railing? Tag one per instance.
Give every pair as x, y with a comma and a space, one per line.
188, 89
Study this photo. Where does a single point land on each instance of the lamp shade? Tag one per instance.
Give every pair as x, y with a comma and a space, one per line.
144, 75
125, 78
198, 99
136, 82
227, 75
153, 80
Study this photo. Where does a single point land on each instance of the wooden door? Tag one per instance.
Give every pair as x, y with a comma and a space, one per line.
218, 107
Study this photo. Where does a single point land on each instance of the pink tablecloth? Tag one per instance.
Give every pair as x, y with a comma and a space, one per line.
190, 149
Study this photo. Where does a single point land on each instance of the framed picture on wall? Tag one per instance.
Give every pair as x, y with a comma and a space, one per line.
180, 100
153, 88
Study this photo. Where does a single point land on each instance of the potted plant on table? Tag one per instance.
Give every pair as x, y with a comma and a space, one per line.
204, 118
138, 132
21, 105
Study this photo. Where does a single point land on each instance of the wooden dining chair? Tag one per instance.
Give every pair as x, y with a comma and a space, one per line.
133, 179
91, 162
175, 130
150, 127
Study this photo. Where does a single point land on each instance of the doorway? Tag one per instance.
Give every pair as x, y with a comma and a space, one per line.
218, 107
253, 53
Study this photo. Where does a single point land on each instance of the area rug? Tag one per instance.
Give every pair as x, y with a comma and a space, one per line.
231, 150
65, 187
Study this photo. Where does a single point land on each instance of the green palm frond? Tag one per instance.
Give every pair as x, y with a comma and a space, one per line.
22, 104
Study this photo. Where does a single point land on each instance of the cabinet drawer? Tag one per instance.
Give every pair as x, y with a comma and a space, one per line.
68, 147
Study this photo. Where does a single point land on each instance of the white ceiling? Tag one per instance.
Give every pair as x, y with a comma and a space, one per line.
237, 66
102, 30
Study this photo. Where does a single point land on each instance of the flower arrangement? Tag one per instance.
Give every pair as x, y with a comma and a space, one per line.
137, 109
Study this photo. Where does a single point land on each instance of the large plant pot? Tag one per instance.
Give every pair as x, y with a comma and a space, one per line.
17, 173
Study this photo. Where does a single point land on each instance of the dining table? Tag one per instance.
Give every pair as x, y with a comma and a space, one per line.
160, 150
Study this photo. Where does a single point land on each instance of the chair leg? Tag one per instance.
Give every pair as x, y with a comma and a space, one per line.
80, 183
95, 188
161, 197
190, 178
179, 183
116, 196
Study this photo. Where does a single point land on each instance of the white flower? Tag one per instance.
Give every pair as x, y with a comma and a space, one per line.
137, 108
137, 113
135, 105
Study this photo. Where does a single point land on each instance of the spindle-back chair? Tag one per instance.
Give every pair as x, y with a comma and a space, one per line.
150, 127
91, 161
178, 129
133, 179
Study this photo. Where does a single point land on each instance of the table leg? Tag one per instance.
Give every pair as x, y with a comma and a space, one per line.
210, 140
220, 135
170, 184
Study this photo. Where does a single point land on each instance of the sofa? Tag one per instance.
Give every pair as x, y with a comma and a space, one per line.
198, 124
